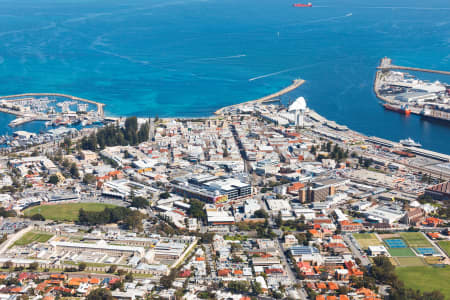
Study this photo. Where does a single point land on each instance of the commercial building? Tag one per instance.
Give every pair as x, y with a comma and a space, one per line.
318, 191
212, 189
99, 246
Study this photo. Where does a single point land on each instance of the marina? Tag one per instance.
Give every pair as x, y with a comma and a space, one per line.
54, 109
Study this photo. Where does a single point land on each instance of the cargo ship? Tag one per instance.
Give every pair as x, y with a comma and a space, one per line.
436, 113
302, 5
400, 109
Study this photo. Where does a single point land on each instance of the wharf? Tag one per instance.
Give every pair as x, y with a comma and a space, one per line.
386, 63
295, 84
99, 105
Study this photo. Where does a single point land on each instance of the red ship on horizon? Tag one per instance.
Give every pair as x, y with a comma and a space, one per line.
302, 5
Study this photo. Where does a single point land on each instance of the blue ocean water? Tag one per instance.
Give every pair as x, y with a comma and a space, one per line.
190, 57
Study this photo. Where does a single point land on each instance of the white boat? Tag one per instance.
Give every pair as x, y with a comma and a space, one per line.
409, 142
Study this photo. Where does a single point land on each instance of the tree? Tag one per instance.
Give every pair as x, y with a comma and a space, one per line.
257, 288
261, 213
74, 171
238, 286
112, 269
139, 202
196, 209
129, 277
33, 266
82, 267
164, 195
54, 179
37, 217
100, 294
8, 265
89, 178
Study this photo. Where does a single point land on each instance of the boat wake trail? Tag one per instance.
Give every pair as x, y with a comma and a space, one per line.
321, 20
220, 57
285, 71
273, 74
407, 7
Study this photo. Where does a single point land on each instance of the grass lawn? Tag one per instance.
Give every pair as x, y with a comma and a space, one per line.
410, 261
415, 239
432, 260
367, 239
64, 212
445, 245
401, 252
426, 278
31, 237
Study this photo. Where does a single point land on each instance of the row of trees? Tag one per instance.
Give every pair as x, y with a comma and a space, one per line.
132, 219
113, 135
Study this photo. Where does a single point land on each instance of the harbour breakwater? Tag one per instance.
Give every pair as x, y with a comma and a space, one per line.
295, 84
386, 64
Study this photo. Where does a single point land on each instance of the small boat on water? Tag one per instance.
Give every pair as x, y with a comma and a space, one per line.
409, 142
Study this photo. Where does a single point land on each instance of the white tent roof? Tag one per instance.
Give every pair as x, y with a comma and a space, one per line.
299, 104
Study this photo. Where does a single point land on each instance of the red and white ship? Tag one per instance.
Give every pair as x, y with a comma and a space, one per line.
302, 5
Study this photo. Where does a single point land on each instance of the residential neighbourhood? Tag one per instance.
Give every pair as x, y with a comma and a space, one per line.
245, 205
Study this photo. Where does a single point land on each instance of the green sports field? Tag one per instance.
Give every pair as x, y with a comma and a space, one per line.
410, 261
445, 245
66, 211
367, 239
426, 278
415, 239
31, 237
401, 252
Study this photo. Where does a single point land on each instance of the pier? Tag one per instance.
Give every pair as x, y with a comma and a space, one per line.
295, 84
386, 64
99, 105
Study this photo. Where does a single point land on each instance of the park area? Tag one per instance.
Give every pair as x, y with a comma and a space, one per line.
367, 239
31, 237
419, 242
415, 239
445, 245
65, 212
426, 278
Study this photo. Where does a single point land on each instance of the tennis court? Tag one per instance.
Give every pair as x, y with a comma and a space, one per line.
426, 251
395, 243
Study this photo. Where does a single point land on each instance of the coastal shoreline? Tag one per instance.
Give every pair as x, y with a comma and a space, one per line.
295, 84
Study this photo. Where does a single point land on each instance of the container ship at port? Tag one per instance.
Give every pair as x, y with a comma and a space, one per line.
302, 5
436, 113
400, 109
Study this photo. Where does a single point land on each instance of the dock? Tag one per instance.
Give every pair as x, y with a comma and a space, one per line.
386, 64
99, 105
295, 84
